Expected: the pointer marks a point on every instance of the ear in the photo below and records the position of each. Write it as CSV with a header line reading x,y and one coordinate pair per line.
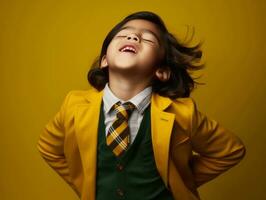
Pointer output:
x,y
163,74
104,62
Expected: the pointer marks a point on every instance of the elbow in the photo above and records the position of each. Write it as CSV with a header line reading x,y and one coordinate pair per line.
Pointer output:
x,y
242,153
239,154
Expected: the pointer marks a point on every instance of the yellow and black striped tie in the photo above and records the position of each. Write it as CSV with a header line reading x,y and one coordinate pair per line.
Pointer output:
x,y
118,137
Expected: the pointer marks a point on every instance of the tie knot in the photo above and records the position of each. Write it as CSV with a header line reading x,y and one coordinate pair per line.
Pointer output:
x,y
124,110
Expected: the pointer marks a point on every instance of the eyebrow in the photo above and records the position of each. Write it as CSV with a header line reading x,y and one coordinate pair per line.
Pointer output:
x,y
142,29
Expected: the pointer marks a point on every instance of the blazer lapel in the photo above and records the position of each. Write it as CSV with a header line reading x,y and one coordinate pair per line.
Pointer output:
x,y
161,128
86,128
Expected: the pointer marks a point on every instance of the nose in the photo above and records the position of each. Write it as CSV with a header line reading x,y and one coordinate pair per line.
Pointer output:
x,y
133,36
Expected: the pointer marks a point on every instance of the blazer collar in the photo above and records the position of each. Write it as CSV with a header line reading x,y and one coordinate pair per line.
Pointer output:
x,y
93,95
160,102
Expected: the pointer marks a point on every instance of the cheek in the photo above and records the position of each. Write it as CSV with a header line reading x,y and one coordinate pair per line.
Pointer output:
x,y
151,55
110,47
111,50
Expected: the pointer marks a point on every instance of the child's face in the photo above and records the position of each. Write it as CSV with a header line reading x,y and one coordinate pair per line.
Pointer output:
x,y
141,35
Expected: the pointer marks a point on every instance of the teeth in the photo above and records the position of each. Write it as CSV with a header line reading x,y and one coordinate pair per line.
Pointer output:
x,y
128,48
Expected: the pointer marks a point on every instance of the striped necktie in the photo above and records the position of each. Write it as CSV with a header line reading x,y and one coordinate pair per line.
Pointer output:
x,y
118,137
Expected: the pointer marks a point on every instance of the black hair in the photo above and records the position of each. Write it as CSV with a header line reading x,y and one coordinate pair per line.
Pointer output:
x,y
179,58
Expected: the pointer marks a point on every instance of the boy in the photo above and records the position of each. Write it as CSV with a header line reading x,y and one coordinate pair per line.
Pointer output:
x,y
137,134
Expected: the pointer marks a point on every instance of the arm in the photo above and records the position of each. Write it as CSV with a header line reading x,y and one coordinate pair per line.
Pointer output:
x,y
217,149
51,143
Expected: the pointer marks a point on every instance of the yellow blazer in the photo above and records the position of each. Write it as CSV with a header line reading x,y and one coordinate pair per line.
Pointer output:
x,y
189,148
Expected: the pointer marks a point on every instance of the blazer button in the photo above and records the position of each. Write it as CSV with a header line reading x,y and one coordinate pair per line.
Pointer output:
x,y
120,167
120,192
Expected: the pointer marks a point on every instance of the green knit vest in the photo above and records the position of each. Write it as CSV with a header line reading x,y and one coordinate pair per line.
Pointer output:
x,y
134,175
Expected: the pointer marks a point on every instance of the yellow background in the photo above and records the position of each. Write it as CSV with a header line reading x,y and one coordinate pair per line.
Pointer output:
x,y
46,48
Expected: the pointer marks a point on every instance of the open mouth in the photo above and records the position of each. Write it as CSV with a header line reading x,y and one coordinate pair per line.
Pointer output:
x,y
128,49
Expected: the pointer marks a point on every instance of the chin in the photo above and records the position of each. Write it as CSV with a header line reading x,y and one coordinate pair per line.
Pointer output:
x,y
125,66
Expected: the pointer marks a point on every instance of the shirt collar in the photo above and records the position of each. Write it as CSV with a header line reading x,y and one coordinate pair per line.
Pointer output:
x,y
141,100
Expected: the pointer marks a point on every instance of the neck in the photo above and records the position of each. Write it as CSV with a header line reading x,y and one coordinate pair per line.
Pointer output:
x,y
125,88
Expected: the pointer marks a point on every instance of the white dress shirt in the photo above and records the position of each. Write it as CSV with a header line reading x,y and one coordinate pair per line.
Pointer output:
x,y
141,101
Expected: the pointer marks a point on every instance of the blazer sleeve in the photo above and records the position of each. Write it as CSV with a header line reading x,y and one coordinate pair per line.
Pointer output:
x,y
217,148
51,143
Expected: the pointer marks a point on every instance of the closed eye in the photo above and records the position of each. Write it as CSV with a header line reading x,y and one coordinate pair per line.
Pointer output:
x,y
121,36
147,40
